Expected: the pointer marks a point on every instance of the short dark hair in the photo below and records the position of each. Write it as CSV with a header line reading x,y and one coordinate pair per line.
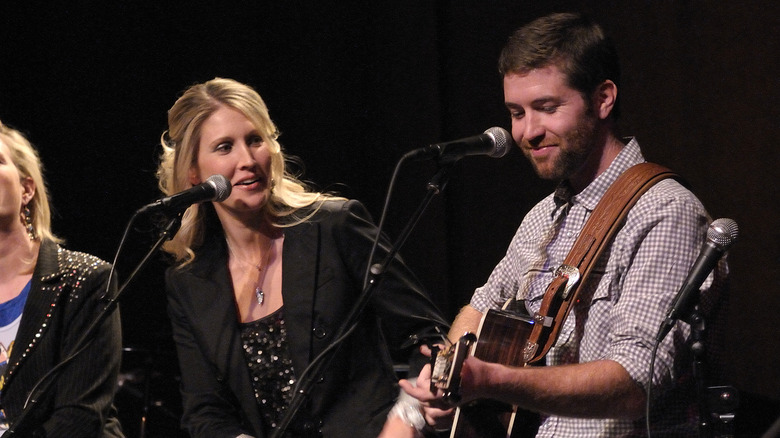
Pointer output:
x,y
570,41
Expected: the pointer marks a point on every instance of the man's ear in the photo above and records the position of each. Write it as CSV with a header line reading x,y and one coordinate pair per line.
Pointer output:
x,y
605,97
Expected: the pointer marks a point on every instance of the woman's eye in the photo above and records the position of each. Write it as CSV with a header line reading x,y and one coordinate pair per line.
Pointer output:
x,y
224,147
256,140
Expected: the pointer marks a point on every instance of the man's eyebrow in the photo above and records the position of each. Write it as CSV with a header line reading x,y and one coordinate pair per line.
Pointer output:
x,y
535,102
545,99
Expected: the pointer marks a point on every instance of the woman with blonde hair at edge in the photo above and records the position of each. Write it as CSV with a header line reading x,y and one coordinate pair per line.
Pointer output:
x,y
49,296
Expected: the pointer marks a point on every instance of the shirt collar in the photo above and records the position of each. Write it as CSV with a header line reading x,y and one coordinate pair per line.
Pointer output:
x,y
629,156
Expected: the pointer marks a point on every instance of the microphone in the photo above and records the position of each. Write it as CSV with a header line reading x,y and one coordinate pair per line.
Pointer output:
x,y
215,188
721,234
494,143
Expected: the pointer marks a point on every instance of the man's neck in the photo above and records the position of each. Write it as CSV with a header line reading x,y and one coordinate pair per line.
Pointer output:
x,y
598,162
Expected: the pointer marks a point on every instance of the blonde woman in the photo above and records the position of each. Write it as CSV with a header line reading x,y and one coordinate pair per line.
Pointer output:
x,y
264,279
48,298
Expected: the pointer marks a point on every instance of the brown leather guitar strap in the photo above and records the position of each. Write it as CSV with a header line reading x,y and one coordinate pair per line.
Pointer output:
x,y
602,225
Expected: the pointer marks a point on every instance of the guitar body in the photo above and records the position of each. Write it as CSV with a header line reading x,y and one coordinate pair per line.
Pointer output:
x,y
500,339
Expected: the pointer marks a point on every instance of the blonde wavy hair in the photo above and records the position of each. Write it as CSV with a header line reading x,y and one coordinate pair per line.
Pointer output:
x,y
27,161
180,151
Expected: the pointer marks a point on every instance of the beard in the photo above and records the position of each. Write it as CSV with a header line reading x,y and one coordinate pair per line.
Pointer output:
x,y
575,148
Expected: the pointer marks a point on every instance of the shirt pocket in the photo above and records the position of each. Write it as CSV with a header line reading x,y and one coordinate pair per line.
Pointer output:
x,y
533,287
597,326
538,282
598,288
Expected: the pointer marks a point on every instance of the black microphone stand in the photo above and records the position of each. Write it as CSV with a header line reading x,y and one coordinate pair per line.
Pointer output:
x,y
714,402
716,405
45,382
313,371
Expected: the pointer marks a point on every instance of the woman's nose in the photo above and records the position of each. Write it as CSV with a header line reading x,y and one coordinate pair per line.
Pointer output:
x,y
247,159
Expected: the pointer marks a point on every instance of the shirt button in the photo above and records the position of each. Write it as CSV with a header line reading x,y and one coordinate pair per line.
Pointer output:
x,y
319,332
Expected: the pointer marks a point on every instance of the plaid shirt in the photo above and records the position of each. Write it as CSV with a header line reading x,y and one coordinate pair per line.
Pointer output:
x,y
625,299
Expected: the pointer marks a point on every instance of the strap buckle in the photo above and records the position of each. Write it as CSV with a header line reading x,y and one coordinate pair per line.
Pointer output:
x,y
572,275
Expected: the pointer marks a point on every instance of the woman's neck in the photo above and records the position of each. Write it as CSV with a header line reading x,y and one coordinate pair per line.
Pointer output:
x,y
247,234
18,256
250,241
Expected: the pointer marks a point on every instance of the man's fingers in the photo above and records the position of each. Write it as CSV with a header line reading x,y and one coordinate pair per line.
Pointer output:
x,y
439,418
420,393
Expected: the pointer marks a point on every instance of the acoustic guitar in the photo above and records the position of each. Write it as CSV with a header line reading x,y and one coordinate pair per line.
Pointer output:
x,y
501,338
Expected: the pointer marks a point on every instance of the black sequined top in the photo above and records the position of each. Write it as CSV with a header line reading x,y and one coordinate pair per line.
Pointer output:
x,y
270,365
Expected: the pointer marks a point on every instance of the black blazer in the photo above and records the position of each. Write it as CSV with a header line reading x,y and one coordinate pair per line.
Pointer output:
x,y
323,264
63,302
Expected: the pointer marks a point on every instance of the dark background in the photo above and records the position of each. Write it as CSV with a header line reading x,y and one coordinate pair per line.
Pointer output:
x,y
352,86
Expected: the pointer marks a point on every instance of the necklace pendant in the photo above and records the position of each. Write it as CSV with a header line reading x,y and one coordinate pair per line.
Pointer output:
x,y
260,296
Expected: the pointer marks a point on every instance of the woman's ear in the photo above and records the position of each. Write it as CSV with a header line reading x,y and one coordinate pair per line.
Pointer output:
x,y
605,98
193,176
28,189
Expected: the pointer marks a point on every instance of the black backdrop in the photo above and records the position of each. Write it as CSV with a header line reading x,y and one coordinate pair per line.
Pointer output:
x,y
353,85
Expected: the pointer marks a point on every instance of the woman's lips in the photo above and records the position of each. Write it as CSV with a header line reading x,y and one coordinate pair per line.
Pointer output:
x,y
248,183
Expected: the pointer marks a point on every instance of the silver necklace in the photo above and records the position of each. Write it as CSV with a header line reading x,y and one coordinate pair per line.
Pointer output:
x,y
261,268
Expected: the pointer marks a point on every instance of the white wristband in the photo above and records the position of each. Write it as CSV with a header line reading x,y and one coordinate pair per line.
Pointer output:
x,y
409,410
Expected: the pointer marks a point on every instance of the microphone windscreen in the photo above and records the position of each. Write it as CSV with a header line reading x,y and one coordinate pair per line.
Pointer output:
x,y
723,232
501,141
221,186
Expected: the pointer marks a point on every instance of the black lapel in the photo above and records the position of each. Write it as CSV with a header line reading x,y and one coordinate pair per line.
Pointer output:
x,y
39,308
210,292
300,265
211,297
